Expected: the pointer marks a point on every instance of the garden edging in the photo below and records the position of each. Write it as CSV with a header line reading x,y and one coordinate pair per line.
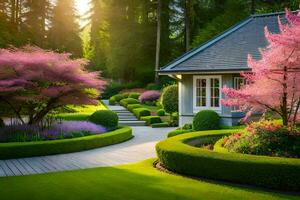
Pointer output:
x,y
270,172
41,148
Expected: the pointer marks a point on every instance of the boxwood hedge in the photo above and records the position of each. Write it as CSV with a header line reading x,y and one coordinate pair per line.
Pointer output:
x,y
151,120
41,148
141,112
127,101
178,155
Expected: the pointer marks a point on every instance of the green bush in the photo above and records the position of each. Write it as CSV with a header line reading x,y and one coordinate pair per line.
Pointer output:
x,y
118,97
127,101
130,107
270,172
169,99
41,148
160,125
161,112
206,120
179,132
141,112
134,95
106,118
174,119
112,101
151,120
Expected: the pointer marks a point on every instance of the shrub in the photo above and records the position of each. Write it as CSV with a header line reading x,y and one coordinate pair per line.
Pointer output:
x,y
266,138
112,101
206,120
270,172
151,119
119,97
42,148
187,127
106,118
134,95
179,132
125,95
153,86
141,112
169,99
2,124
130,107
127,101
161,112
174,119
150,96
160,125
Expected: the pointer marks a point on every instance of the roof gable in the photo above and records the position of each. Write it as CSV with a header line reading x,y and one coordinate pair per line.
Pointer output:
x,y
229,50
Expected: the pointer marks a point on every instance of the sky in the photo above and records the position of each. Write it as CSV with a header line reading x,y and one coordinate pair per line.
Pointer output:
x,y
82,7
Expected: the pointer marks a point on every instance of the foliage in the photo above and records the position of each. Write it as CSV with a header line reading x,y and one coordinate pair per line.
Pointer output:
x,y
266,138
151,95
206,120
134,95
114,88
34,82
177,155
179,132
161,112
106,118
62,130
141,112
153,86
160,125
130,107
151,120
118,97
42,148
169,99
112,101
274,83
128,101
174,119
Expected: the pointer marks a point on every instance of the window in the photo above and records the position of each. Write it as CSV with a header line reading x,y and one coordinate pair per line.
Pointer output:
x,y
207,92
238,82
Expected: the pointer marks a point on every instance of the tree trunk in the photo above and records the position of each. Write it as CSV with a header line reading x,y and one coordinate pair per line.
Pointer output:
x,y
188,5
284,108
158,36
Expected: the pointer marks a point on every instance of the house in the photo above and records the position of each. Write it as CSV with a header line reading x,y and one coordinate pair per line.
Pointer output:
x,y
202,72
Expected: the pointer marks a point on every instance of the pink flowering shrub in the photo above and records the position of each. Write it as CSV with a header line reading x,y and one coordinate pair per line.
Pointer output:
x,y
34,81
151,95
266,138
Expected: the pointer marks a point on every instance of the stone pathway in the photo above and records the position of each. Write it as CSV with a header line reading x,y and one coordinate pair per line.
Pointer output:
x,y
126,118
141,147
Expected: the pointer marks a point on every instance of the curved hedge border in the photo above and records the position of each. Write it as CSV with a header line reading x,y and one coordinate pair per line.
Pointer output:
x,y
41,148
271,172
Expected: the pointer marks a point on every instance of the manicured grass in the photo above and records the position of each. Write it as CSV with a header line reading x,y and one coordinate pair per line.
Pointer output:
x,y
81,113
135,182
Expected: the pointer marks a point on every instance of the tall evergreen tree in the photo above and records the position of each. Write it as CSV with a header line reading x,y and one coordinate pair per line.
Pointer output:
x,y
64,31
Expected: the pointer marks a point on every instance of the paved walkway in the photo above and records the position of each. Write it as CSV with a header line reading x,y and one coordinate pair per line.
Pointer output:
x,y
139,148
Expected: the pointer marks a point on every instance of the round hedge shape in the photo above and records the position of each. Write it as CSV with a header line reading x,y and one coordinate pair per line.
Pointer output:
x,y
118,97
134,95
128,101
169,99
130,107
112,101
106,118
177,154
206,120
161,112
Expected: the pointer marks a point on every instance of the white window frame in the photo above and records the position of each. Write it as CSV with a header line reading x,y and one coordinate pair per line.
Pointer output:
x,y
208,94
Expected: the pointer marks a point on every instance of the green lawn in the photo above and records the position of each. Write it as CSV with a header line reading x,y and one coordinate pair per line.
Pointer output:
x,y
128,182
80,113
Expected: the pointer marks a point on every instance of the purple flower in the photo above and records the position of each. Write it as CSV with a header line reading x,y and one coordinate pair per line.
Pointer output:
x,y
151,95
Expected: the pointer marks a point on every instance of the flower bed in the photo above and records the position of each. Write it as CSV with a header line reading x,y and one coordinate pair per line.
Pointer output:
x,y
178,154
40,148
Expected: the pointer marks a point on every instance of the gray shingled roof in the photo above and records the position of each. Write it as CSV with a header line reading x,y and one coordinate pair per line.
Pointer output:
x,y
229,50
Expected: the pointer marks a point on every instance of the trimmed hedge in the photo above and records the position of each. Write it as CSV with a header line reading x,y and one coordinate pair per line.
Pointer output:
x,y
179,132
270,172
151,120
106,118
141,112
160,125
130,107
134,95
127,101
161,112
112,101
206,120
118,97
42,148
169,99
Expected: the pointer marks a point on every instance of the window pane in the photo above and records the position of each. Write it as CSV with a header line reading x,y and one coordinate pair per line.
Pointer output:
x,y
203,101
217,92
216,102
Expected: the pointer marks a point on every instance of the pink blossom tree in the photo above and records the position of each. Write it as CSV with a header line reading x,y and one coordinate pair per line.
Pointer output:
x,y
274,81
34,81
